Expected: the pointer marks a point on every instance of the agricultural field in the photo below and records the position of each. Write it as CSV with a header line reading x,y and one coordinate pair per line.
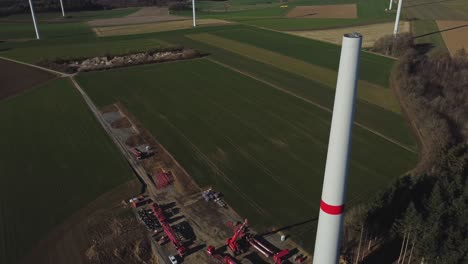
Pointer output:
x,y
273,16
251,118
436,10
426,32
261,146
55,160
13,81
455,34
53,25
71,16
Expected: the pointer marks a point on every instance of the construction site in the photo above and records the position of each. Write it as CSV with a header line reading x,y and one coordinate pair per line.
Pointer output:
x,y
185,223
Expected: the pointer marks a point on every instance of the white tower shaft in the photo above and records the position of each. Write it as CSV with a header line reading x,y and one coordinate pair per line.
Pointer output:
x,y
193,11
327,244
391,4
397,19
63,10
34,19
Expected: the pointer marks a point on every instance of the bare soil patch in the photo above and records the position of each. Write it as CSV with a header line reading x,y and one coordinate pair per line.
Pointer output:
x,y
324,11
144,15
17,78
72,65
121,123
70,242
455,34
371,33
134,141
109,109
155,27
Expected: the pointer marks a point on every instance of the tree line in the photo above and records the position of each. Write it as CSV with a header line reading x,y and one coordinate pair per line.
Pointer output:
x,y
423,216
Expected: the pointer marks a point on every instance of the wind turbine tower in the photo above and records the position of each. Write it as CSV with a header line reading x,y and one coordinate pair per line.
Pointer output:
x,y
327,243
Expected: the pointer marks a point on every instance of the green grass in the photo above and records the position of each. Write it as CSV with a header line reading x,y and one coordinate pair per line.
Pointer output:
x,y
388,123
426,32
91,47
367,91
374,68
264,149
55,159
17,30
53,26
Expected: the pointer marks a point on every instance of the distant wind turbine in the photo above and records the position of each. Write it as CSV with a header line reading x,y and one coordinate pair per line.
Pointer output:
x,y
193,11
34,19
397,19
63,10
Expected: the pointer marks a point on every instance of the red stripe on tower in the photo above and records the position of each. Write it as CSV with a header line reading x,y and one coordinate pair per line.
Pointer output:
x,y
331,209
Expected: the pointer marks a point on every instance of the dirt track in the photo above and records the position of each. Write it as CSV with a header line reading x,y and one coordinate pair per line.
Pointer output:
x,y
17,78
455,34
144,15
324,11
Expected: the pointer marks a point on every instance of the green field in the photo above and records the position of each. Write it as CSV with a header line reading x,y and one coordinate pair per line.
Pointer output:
x,y
436,10
273,17
251,119
426,33
53,25
55,159
263,148
71,16
81,48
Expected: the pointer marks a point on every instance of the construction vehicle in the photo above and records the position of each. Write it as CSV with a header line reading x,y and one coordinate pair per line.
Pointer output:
x,y
278,256
239,232
227,259
171,235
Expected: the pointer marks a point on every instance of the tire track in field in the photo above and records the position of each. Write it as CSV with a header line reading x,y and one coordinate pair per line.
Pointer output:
x,y
217,170
256,162
389,139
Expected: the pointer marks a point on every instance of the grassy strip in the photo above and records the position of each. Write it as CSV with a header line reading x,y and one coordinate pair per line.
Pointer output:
x,y
367,91
55,159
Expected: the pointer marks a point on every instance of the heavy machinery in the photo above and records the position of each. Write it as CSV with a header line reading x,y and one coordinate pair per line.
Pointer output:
x,y
159,213
227,259
239,232
278,256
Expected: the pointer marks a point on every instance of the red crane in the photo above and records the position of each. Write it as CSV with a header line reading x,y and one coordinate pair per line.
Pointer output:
x,y
232,242
227,259
159,213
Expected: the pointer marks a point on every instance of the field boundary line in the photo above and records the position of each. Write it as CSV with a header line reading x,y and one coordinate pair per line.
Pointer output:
x,y
61,74
391,140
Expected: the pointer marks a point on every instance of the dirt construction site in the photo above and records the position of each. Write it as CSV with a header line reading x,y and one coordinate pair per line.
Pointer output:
x,y
185,223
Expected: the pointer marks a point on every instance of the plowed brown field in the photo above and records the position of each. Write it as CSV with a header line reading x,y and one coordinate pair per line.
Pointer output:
x,y
15,78
455,34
